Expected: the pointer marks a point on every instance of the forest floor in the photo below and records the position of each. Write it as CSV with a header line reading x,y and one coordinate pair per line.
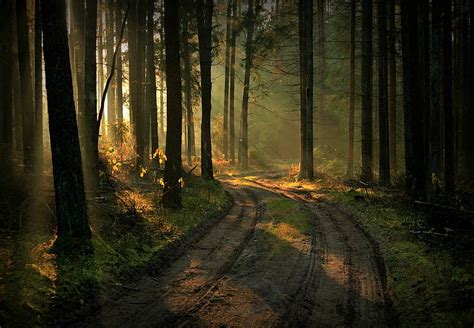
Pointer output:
x,y
280,257
274,252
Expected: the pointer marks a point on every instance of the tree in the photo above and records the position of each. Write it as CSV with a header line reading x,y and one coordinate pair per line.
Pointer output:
x,y
172,176
204,16
384,152
366,91
449,150
392,106
38,91
6,88
71,211
225,149
136,67
109,28
306,92
151,79
434,139
91,137
188,85
350,156
233,39
321,19
25,84
412,102
302,44
244,134
118,76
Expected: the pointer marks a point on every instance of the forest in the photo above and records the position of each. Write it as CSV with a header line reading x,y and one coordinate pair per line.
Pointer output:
x,y
236,163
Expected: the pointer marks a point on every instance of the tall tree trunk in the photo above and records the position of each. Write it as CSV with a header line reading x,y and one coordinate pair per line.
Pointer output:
x,y
27,106
190,145
322,52
100,62
144,116
136,73
366,91
151,80
225,145
91,138
412,102
384,151
71,210
6,88
118,75
309,87
77,47
111,115
424,40
469,118
302,30
244,135
204,15
38,91
18,112
392,92
233,40
172,188
350,155
449,149
163,73
434,140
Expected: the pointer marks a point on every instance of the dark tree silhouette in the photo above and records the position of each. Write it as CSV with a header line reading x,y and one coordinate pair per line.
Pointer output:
x,y
172,188
366,91
71,211
204,16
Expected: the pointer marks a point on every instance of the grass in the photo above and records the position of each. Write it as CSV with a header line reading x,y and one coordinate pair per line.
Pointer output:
x,y
130,236
283,224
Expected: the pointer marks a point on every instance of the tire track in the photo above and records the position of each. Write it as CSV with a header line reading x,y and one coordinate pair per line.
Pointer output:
x,y
344,255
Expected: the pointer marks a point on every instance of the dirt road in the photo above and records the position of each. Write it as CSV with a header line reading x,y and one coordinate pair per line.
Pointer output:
x,y
246,273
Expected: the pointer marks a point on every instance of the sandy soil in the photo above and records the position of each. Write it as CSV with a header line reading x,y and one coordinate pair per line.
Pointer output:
x,y
331,277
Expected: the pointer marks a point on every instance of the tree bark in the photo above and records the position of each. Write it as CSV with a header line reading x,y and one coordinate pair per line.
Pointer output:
x,y
232,84
302,30
366,91
111,115
151,80
27,105
244,138
71,211
392,106
118,75
412,101
173,167
38,91
449,149
384,148
309,86
225,146
204,15
350,155
434,140
322,53
190,144
6,88
91,138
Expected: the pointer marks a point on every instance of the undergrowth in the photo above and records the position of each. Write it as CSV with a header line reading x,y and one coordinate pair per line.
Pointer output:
x,y
130,231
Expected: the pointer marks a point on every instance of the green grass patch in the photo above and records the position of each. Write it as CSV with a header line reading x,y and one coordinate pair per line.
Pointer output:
x,y
283,224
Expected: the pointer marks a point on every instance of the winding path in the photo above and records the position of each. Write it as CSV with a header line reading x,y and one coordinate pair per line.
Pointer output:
x,y
332,276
